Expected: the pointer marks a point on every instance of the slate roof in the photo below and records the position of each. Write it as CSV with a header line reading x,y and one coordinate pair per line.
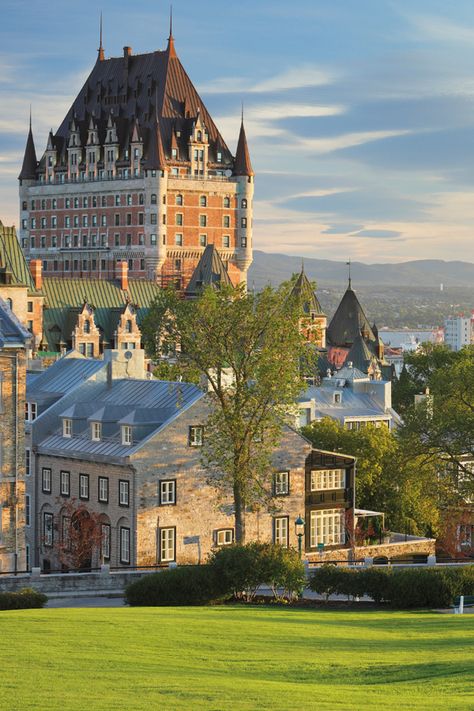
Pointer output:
x,y
303,289
360,355
210,271
30,162
13,267
61,377
242,165
65,298
12,333
348,322
148,405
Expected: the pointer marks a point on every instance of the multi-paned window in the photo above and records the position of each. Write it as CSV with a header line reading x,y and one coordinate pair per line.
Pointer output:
x,y
124,492
168,492
281,483
323,479
84,486
105,543
124,544
103,489
225,537
96,431
327,526
27,510
167,544
46,480
280,530
65,483
27,462
30,411
196,436
48,529
127,435
67,427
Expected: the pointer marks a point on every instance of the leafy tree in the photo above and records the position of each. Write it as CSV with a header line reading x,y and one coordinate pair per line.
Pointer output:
x,y
249,349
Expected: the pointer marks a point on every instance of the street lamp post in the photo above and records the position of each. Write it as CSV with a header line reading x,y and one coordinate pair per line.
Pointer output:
x,y
299,530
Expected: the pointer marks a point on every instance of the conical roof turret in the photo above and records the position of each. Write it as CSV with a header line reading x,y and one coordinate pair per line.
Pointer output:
x,y
30,162
242,164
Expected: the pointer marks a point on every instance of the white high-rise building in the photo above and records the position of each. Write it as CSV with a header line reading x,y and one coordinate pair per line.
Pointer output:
x,y
458,331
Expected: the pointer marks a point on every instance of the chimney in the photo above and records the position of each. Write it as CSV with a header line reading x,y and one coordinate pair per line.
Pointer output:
x,y
36,270
122,275
127,51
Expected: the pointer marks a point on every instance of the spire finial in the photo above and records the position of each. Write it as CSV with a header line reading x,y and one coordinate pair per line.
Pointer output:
x,y
171,49
30,117
302,265
350,280
242,116
171,21
101,48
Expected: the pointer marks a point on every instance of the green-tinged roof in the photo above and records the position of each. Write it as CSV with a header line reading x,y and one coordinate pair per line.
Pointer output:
x,y
348,322
210,271
13,267
360,355
66,297
302,289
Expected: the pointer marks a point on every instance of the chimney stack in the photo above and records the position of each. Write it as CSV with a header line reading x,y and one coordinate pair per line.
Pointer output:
x,y
36,270
122,275
127,51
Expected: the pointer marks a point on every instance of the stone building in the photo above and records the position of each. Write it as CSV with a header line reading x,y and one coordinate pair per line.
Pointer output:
x,y
15,511
137,172
130,450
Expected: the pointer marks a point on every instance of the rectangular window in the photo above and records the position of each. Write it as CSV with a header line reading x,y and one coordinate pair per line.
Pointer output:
x,y
324,479
167,492
280,531
27,462
196,436
202,220
202,240
96,431
281,483
103,489
153,240
127,437
65,483
167,545
124,545
84,486
226,241
225,537
124,493
30,411
178,239
105,543
27,510
327,526
179,219
48,529
66,532
46,480
67,427
27,557
243,222
226,221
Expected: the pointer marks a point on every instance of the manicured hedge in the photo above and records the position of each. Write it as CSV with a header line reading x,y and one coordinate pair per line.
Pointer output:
x,y
22,600
402,588
190,585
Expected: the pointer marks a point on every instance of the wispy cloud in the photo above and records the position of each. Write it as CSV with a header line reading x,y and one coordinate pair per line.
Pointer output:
x,y
345,140
439,28
305,75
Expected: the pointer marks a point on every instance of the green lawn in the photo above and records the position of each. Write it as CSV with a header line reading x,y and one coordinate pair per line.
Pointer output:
x,y
221,658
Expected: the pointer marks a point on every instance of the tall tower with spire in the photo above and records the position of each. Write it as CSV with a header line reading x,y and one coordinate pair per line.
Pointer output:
x,y
137,172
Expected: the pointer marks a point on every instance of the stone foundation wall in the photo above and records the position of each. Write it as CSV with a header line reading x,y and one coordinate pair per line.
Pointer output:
x,y
398,549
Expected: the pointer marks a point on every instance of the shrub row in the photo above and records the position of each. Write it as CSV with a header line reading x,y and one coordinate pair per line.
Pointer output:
x,y
400,588
234,571
22,600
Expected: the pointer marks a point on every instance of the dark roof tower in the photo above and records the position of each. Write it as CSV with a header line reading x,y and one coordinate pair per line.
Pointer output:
x,y
360,355
156,159
348,322
302,289
242,164
210,271
30,162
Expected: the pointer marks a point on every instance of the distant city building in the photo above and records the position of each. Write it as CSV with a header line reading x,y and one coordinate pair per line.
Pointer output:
x,y
458,331
137,173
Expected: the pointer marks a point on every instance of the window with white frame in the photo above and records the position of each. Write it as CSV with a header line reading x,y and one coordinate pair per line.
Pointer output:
x,y
225,537
168,492
167,545
327,526
65,483
48,529
96,431
30,411
280,530
103,489
27,510
124,492
105,543
324,479
124,544
196,436
127,437
281,483
84,486
67,427
46,480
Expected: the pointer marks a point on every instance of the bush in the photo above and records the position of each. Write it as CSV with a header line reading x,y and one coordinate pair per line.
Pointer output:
x,y
375,582
325,580
243,568
24,599
190,585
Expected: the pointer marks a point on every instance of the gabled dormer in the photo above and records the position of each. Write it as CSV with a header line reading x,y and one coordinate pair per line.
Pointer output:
x,y
86,334
128,335
136,148
198,147
92,149
111,147
74,150
50,158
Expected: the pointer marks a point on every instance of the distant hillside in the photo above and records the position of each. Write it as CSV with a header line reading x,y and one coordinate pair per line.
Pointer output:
x,y
275,268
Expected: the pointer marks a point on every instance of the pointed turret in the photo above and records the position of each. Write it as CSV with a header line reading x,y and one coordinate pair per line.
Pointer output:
x,y
100,51
360,355
156,159
242,164
210,271
348,322
30,162
302,289
171,49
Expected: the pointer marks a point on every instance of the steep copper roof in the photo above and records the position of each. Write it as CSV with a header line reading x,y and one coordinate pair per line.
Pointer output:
x,y
348,322
155,159
210,271
30,162
242,165
132,89
303,289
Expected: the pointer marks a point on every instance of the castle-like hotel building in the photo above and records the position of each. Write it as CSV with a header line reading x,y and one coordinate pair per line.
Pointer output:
x,y
138,173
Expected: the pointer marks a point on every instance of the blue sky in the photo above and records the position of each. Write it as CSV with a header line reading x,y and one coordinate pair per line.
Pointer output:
x,y
359,113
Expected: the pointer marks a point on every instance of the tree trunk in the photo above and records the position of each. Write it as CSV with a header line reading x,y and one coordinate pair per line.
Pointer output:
x,y
239,514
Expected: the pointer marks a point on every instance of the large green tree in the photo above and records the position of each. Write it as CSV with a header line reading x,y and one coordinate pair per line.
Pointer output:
x,y
248,350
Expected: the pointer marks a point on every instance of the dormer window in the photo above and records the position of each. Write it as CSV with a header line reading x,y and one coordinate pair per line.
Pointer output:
x,y
199,135
128,326
337,398
96,432
127,435
87,326
67,427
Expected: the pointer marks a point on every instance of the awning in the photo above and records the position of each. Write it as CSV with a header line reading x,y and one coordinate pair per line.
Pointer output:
x,y
365,512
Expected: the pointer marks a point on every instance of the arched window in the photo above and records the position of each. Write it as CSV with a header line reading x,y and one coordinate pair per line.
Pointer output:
x,y
10,304
153,199
199,135
128,326
244,204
